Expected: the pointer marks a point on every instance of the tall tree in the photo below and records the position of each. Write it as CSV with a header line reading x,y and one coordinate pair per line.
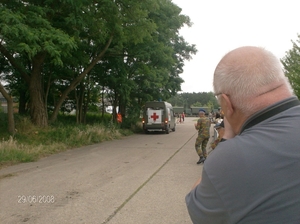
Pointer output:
x,y
108,27
26,32
148,70
291,64
202,98
53,45
155,64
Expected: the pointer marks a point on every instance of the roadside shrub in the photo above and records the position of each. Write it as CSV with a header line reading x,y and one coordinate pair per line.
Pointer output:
x,y
31,142
34,143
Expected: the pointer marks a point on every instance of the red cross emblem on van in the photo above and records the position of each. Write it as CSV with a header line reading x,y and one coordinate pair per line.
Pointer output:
x,y
154,116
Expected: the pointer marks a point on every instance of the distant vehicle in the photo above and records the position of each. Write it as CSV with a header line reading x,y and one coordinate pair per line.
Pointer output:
x,y
178,110
188,112
158,116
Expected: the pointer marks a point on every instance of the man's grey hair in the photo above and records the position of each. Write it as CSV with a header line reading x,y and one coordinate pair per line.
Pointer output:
x,y
245,80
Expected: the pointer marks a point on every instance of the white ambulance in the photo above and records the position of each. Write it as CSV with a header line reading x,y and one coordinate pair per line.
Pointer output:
x,y
158,116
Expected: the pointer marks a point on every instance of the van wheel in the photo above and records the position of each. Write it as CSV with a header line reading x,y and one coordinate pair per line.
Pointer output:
x,y
167,130
146,131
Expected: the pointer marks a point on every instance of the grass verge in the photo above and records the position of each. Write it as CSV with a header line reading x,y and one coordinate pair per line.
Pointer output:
x,y
31,143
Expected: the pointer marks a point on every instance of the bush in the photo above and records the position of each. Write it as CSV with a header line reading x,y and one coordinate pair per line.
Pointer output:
x,y
31,142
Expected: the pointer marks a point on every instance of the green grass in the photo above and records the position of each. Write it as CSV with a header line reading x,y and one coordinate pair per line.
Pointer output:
x,y
31,143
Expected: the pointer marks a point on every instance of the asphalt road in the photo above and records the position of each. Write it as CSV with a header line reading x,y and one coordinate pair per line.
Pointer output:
x,y
140,179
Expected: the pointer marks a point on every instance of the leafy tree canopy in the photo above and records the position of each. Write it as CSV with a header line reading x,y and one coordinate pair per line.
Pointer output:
x,y
291,64
60,50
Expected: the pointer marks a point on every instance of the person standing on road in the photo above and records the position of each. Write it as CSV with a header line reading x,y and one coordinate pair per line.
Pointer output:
x,y
203,126
220,132
119,118
252,176
218,119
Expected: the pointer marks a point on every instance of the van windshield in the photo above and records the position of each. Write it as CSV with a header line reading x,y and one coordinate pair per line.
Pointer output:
x,y
154,108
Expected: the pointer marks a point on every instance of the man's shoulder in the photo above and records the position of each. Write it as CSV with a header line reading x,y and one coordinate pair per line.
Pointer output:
x,y
203,118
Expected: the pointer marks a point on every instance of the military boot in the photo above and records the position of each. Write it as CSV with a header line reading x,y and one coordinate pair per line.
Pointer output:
x,y
201,160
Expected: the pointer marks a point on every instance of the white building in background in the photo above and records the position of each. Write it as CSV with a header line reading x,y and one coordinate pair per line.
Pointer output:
x,y
109,109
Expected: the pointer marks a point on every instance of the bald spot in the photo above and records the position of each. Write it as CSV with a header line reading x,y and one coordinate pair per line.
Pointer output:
x,y
252,62
247,57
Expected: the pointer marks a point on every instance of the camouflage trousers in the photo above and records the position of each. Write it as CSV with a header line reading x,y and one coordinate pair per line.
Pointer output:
x,y
216,142
200,145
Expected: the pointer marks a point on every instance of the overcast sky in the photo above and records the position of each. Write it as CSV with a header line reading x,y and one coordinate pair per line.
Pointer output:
x,y
222,25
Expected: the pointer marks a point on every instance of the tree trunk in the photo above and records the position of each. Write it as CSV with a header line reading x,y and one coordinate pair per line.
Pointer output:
x,y
115,104
103,103
122,103
22,102
38,110
10,110
77,106
86,104
81,103
37,106
10,116
47,92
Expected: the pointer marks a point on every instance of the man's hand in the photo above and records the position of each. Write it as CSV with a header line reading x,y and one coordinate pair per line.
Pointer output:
x,y
197,183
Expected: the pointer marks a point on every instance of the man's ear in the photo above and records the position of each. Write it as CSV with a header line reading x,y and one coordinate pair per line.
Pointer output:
x,y
227,106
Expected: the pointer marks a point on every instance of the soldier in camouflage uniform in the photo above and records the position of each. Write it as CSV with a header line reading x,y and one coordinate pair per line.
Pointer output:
x,y
203,126
220,130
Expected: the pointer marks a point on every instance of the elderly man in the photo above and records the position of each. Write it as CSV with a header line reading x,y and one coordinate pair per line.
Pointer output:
x,y
202,126
252,176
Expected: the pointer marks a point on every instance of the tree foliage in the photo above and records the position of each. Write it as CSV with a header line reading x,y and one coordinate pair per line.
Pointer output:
x,y
188,100
291,64
57,51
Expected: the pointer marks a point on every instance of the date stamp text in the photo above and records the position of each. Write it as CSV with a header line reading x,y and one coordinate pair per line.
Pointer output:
x,y
36,199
